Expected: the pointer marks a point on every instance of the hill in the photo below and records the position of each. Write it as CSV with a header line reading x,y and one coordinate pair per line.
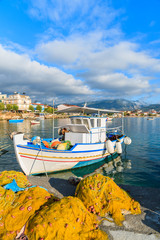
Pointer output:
x,y
121,105
117,104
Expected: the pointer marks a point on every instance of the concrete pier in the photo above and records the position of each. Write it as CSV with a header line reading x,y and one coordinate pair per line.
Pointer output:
x,y
145,226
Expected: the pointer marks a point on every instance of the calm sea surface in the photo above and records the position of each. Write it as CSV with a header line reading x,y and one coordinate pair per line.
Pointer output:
x,y
140,165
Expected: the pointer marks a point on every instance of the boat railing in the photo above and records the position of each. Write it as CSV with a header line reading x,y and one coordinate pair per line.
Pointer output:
x,y
114,129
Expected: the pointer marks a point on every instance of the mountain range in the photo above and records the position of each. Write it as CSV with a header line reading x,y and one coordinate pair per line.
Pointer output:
x,y
122,105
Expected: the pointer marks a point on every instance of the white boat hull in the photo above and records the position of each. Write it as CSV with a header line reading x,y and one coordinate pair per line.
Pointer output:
x,y
33,159
34,122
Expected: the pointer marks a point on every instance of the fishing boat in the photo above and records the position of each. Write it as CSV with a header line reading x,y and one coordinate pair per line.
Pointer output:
x,y
40,116
150,118
15,120
35,122
84,141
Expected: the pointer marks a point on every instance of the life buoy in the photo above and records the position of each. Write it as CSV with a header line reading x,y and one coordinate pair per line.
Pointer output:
x,y
127,140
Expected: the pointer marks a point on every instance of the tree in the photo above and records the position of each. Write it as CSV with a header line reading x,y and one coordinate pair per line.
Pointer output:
x,y
31,108
39,108
15,107
49,110
2,107
9,107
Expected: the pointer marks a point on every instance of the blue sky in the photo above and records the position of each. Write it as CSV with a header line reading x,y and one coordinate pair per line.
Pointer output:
x,y
80,50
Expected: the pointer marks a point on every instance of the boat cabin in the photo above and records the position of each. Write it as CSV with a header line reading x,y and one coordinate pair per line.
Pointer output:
x,y
84,129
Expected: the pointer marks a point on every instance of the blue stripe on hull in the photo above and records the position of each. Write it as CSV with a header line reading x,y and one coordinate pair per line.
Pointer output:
x,y
83,164
87,163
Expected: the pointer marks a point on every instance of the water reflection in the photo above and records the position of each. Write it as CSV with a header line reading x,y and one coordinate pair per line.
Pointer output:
x,y
108,168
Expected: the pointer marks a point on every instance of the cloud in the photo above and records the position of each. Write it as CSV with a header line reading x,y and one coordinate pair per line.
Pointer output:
x,y
120,69
83,38
19,73
75,15
92,52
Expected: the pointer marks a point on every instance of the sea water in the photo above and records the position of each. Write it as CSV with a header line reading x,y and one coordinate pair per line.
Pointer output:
x,y
138,165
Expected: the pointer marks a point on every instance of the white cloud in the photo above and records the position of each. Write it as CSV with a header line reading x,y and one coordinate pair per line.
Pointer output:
x,y
91,52
120,68
74,15
19,73
83,38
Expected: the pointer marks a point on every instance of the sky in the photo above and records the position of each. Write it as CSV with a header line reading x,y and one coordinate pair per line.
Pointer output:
x,y
80,50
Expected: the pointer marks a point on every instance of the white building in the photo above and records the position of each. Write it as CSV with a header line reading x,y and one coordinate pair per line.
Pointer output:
x,y
22,101
2,97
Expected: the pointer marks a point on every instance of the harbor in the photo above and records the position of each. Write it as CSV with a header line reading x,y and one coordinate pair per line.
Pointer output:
x,y
128,171
79,120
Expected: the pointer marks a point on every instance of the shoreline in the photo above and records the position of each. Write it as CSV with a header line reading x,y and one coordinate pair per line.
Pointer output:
x,y
31,116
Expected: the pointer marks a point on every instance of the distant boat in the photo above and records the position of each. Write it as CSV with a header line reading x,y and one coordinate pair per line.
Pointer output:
x,y
40,116
150,118
16,120
34,122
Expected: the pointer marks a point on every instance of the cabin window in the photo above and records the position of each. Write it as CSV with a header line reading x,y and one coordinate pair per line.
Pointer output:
x,y
98,122
78,121
85,121
92,123
72,120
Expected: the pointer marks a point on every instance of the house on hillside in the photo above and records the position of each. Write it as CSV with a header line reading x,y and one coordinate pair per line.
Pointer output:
x,y
153,112
39,104
2,97
21,100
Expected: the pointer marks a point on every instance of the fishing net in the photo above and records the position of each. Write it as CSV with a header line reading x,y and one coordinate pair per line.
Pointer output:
x,y
6,199
8,176
102,196
63,220
16,209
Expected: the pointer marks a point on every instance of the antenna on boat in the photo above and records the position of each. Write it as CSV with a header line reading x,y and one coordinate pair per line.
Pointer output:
x,y
85,105
122,122
53,118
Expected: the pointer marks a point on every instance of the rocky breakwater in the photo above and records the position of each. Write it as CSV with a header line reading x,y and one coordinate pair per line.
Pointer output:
x,y
10,115
31,115
49,116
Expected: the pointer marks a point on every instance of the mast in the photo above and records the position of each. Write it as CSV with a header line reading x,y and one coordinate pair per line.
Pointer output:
x,y
53,118
123,122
